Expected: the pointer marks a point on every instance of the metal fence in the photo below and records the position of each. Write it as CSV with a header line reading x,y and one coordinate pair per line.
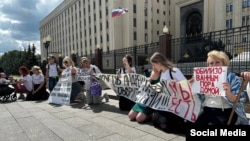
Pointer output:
x,y
113,59
192,51
189,52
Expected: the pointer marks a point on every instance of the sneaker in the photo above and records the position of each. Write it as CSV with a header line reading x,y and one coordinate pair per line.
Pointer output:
x,y
105,95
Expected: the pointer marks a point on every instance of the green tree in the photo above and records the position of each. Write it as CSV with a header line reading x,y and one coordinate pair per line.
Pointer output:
x,y
12,60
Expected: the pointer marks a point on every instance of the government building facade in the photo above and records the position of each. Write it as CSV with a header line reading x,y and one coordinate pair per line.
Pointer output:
x,y
81,26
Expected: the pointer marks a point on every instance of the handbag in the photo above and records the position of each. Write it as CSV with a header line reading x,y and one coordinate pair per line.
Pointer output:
x,y
95,87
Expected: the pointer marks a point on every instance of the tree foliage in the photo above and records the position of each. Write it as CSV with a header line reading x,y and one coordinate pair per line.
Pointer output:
x,y
12,60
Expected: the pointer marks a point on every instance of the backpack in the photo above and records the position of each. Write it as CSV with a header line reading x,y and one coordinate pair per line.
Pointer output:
x,y
95,86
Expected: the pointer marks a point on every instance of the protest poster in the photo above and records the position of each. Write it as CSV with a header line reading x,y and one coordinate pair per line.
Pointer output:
x,y
62,91
83,75
209,80
175,97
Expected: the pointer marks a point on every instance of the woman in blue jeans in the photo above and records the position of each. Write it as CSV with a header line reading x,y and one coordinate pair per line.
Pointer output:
x,y
52,72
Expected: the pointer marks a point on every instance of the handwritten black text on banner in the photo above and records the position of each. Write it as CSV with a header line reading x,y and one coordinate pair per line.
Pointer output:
x,y
62,91
175,97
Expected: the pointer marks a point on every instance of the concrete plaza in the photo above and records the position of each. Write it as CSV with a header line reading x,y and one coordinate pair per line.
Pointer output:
x,y
40,121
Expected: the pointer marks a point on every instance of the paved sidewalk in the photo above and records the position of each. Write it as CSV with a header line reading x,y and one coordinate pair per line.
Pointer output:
x,y
40,121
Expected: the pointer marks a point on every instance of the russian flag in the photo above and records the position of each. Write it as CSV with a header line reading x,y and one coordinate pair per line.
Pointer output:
x,y
119,11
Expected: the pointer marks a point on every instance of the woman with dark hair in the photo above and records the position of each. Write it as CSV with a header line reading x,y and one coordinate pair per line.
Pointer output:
x,y
23,85
127,65
124,103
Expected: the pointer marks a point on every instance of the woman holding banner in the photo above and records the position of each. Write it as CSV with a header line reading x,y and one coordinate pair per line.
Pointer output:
x,y
124,103
140,112
90,71
164,68
217,109
76,87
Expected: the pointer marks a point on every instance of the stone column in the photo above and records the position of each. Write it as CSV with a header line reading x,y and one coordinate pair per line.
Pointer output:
x,y
98,58
165,45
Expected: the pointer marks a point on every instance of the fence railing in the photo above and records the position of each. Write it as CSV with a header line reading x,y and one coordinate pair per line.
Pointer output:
x,y
189,52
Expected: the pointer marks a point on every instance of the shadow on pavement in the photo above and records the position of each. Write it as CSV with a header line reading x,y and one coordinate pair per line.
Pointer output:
x,y
97,108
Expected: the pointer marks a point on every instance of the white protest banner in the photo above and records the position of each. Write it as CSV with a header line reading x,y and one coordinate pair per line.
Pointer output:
x,y
61,92
208,80
125,85
175,97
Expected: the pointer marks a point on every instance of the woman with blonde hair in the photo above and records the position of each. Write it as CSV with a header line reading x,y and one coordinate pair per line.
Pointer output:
x,y
217,109
76,87
39,88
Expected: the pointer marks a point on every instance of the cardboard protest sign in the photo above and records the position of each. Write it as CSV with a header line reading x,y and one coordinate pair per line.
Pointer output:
x,y
175,97
208,80
83,75
62,91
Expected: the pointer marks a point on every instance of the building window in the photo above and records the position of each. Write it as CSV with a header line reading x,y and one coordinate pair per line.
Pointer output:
x,y
146,12
229,7
135,38
134,22
146,37
229,23
244,3
134,8
146,24
245,20
107,11
244,38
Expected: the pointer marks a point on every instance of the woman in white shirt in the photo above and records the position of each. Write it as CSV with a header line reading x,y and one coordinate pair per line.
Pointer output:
x,y
124,103
165,69
76,87
39,89
90,71
23,85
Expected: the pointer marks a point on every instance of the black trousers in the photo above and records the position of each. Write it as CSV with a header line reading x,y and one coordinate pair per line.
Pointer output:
x,y
173,123
216,116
